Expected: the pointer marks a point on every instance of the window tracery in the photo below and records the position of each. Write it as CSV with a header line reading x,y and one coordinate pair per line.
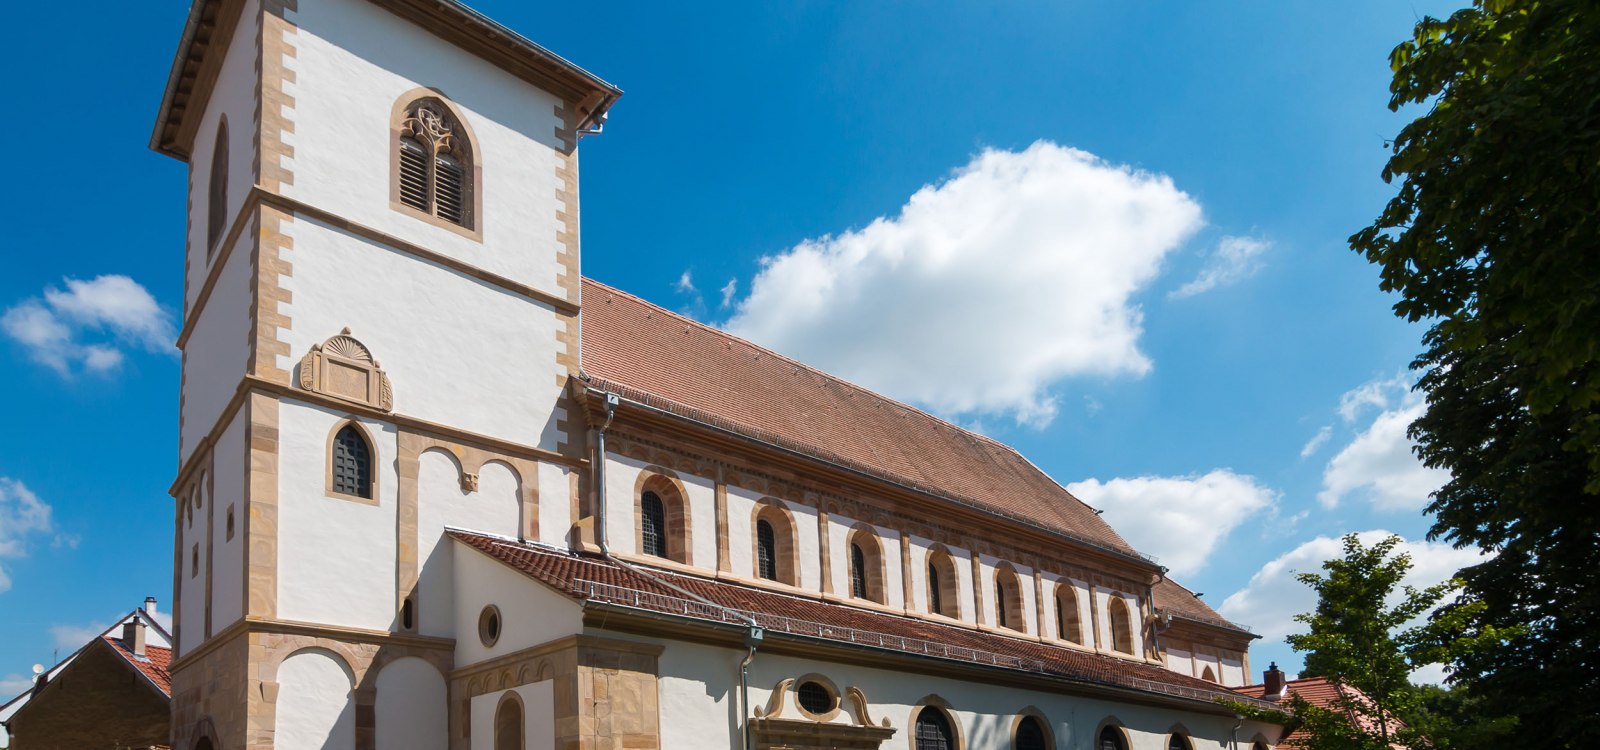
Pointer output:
x,y
434,163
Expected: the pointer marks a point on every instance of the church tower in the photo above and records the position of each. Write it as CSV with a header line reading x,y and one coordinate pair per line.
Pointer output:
x,y
381,304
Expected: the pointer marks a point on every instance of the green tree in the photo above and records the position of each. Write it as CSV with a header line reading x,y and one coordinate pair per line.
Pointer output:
x,y
1493,239
1360,639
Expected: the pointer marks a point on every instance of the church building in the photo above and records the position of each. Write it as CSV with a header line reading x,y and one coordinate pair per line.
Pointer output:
x,y
436,489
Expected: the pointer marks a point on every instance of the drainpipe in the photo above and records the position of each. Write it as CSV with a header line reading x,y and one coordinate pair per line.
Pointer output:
x,y
1233,742
752,637
1157,626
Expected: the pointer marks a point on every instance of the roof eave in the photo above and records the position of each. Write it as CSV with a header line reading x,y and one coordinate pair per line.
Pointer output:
x,y
170,92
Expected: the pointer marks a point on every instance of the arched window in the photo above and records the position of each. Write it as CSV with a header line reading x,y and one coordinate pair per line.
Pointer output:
x,y
1111,739
351,469
217,189
1008,599
1067,624
858,571
1208,675
933,731
653,520
1031,734
1258,745
1179,742
944,593
866,565
766,551
1121,626
508,724
433,163
934,603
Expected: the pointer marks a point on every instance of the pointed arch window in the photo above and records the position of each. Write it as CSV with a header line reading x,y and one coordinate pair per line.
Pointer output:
x,y
217,189
933,730
653,516
351,469
1031,734
1121,626
434,172
1111,739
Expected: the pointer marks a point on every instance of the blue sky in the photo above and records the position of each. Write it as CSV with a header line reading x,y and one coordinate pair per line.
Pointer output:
x,y
1126,257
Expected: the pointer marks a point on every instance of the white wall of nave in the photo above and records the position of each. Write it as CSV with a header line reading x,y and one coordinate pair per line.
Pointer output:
x,y
622,510
530,614
336,555
494,508
459,351
352,62
742,505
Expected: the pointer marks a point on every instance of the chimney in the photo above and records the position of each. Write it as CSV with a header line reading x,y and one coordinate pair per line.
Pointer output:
x,y
133,636
1272,679
150,606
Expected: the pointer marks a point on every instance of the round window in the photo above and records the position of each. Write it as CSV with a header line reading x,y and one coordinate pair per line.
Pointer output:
x,y
489,625
814,697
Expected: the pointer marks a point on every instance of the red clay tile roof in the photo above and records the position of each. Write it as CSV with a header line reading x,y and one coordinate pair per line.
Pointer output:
x,y
1323,693
670,362
585,577
155,664
1173,598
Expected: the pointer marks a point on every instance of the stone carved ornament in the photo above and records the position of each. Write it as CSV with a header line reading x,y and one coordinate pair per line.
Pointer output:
x,y
776,703
343,367
428,122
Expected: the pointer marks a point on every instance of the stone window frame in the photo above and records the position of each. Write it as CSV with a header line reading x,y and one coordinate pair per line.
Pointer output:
x,y
510,698
217,189
1032,712
1208,674
1010,613
786,547
466,148
865,538
372,459
1113,725
940,559
827,684
1068,618
1121,634
490,614
1179,733
675,504
958,740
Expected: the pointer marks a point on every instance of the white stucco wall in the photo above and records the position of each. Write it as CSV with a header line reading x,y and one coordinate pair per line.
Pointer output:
x,y
699,695
412,711
555,503
234,96
314,710
192,558
622,506
742,505
352,63
336,556
1107,641
839,528
538,717
459,351
530,613
493,509
227,556
218,349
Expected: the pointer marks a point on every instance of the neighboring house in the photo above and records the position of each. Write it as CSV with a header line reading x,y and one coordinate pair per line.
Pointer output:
x,y
557,515
114,693
1320,692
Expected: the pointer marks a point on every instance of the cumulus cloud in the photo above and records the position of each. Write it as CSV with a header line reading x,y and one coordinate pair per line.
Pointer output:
x,y
1317,441
86,326
1234,260
1181,520
1378,465
1269,602
23,516
986,289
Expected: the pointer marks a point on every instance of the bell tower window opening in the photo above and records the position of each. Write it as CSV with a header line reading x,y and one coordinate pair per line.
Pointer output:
x,y
433,163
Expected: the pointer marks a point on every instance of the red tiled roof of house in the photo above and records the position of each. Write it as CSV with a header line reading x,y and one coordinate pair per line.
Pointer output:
x,y
1174,598
647,353
591,578
155,664
1322,693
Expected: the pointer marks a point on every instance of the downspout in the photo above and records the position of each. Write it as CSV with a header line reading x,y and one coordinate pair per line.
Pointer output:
x,y
1157,626
753,636
1233,742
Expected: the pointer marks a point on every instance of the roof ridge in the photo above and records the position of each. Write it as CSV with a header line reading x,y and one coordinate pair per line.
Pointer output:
x,y
816,371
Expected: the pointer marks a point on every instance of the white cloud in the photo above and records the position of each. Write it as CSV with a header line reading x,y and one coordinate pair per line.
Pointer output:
x,y
1316,442
13,685
1235,259
1016,272
728,291
69,638
1181,520
114,309
22,516
1269,602
1378,465
1378,393
685,283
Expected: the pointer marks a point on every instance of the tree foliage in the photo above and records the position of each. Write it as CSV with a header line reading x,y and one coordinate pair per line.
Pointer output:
x,y
1493,238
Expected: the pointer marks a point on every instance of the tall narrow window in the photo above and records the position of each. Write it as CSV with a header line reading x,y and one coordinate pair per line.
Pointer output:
x,y
433,167
933,730
1111,739
508,725
944,593
934,602
653,517
858,572
1067,623
1008,599
352,463
766,551
1000,602
217,189
1121,626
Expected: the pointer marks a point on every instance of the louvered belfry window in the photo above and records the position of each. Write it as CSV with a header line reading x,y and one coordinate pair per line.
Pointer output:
x,y
766,551
653,524
933,730
352,463
434,165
